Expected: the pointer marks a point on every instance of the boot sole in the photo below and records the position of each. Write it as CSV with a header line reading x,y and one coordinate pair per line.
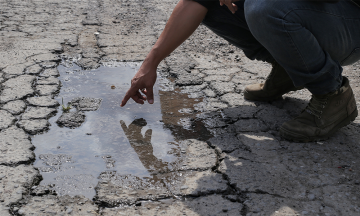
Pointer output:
x,y
288,134
249,96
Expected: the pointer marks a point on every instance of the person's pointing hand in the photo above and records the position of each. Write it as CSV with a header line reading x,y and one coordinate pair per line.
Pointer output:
x,y
143,81
230,4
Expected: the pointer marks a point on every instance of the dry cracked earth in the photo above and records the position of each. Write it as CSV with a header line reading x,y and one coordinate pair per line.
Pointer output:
x,y
244,169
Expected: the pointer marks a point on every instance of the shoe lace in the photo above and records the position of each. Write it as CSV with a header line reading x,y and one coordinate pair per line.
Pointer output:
x,y
316,105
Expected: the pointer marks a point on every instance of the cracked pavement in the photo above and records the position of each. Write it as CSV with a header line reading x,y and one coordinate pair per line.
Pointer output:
x,y
244,169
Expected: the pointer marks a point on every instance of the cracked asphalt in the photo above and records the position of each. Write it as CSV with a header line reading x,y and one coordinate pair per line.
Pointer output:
x,y
244,169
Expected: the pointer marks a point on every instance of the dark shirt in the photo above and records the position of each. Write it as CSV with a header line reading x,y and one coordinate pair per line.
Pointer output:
x,y
207,3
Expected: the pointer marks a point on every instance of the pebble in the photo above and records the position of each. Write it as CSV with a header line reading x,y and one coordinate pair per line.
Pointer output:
x,y
184,187
69,210
311,196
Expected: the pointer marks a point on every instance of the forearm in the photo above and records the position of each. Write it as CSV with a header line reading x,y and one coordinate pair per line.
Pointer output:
x,y
183,21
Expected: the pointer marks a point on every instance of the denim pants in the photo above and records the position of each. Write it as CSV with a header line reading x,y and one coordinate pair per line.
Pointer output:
x,y
311,40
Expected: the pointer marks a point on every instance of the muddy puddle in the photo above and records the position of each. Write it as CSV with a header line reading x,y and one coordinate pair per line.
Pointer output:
x,y
137,140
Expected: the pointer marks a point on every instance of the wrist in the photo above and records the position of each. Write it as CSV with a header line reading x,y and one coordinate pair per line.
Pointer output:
x,y
154,58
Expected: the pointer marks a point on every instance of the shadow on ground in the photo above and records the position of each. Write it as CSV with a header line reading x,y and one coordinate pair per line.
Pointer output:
x,y
255,172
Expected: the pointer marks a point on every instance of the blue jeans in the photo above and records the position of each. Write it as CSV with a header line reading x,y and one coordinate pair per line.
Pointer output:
x,y
311,40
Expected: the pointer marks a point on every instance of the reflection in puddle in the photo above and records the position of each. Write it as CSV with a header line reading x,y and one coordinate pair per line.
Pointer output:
x,y
137,140
142,144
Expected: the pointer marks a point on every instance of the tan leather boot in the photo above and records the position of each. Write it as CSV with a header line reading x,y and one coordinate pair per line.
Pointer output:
x,y
277,83
323,116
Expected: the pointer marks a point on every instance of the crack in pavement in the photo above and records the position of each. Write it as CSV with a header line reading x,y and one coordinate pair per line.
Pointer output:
x,y
31,32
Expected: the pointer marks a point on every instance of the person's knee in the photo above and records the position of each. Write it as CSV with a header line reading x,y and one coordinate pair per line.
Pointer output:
x,y
258,14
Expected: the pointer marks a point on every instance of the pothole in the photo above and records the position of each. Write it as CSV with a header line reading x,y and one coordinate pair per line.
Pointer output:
x,y
137,140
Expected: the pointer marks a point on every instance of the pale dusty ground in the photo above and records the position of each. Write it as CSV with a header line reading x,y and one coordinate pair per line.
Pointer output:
x,y
246,169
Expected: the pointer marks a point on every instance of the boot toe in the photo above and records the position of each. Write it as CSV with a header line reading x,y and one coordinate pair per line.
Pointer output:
x,y
254,92
254,87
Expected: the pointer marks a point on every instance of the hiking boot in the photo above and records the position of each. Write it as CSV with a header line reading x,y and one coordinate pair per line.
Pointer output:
x,y
277,83
323,116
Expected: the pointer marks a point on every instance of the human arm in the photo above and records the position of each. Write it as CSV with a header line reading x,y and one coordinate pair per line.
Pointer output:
x,y
183,21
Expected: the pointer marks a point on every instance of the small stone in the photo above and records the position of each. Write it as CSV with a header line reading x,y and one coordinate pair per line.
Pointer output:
x,y
311,196
184,187
69,210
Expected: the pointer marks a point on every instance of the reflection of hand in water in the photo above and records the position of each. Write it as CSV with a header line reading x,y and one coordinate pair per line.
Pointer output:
x,y
142,144
133,132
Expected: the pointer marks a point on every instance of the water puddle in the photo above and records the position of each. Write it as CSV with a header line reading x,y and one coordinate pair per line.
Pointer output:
x,y
136,140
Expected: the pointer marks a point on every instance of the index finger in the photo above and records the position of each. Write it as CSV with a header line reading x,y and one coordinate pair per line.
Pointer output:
x,y
126,97
123,125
